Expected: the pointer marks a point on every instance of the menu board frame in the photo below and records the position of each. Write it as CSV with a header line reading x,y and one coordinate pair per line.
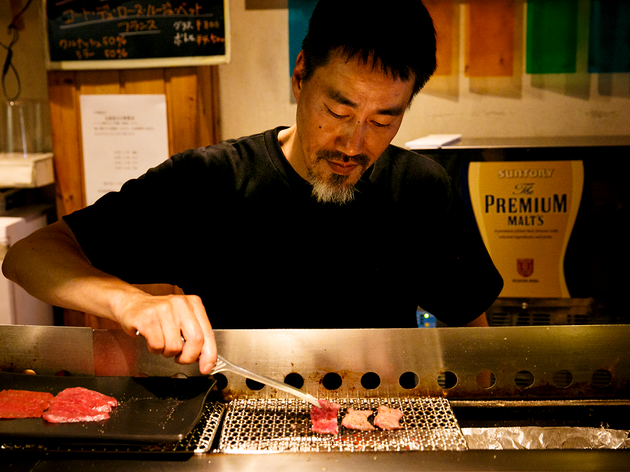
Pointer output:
x,y
95,61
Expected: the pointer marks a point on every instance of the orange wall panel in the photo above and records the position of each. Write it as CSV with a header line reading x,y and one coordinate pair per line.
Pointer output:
x,y
490,38
443,14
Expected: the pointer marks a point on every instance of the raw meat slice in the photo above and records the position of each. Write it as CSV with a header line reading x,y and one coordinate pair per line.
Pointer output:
x,y
23,403
388,418
357,419
78,404
84,396
325,418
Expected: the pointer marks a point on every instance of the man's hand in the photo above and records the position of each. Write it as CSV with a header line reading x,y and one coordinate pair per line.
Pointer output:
x,y
173,325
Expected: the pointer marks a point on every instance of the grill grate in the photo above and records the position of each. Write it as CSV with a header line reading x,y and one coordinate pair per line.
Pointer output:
x,y
200,439
284,425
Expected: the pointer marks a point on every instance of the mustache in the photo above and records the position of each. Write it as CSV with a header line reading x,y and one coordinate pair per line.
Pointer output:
x,y
360,159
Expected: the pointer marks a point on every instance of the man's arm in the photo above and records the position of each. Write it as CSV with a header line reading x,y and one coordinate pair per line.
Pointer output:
x,y
51,266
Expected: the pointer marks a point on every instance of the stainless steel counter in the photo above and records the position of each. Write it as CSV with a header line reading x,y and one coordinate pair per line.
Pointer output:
x,y
588,460
540,142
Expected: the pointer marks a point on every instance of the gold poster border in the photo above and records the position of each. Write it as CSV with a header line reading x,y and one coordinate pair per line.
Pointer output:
x,y
577,187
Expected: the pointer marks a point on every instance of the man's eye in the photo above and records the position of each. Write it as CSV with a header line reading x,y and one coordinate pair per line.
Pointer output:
x,y
380,125
335,115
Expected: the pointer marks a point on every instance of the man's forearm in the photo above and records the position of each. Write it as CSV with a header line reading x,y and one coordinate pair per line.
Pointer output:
x,y
50,265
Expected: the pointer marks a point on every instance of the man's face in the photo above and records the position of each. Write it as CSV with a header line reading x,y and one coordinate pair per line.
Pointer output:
x,y
347,114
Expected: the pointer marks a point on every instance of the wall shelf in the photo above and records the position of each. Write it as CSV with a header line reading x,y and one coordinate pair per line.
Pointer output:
x,y
19,170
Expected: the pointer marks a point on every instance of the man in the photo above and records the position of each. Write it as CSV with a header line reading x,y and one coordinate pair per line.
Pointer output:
x,y
322,224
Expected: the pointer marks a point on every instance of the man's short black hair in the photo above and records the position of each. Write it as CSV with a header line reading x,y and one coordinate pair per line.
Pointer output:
x,y
396,36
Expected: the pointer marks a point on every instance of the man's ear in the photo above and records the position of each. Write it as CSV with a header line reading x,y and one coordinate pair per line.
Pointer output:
x,y
297,78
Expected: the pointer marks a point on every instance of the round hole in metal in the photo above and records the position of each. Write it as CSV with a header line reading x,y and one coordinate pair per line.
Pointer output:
x,y
408,380
447,379
563,378
253,385
221,380
602,378
294,379
524,379
486,379
370,380
332,381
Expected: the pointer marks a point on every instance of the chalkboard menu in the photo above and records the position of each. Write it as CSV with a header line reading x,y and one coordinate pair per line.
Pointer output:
x,y
118,34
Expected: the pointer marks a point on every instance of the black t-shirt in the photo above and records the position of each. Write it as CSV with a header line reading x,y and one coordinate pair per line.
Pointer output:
x,y
235,224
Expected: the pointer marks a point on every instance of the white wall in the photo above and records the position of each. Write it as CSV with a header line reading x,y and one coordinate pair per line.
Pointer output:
x,y
255,85
255,93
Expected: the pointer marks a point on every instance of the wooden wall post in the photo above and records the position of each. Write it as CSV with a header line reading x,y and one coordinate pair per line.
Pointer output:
x,y
193,118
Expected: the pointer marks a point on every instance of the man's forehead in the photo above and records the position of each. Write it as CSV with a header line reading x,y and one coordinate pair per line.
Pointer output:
x,y
343,77
339,97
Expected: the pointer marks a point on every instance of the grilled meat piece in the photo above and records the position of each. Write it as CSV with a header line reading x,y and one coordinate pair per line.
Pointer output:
x,y
357,419
388,418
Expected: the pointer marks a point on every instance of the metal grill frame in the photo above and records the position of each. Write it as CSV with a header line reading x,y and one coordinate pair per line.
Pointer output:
x,y
585,351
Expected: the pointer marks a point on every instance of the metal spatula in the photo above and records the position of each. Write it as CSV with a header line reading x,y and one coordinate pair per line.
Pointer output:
x,y
222,365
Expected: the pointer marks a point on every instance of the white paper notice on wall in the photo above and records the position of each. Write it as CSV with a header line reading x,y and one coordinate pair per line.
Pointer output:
x,y
123,137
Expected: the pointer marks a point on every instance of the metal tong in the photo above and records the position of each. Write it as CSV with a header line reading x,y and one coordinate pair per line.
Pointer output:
x,y
222,366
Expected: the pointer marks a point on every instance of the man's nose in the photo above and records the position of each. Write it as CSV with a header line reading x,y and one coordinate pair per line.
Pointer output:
x,y
352,139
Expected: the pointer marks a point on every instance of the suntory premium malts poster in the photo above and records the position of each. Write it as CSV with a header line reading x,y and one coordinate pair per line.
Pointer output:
x,y
525,212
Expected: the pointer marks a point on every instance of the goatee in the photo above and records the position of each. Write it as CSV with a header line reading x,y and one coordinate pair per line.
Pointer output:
x,y
334,188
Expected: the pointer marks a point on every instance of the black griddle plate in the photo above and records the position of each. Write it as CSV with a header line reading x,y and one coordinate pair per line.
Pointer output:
x,y
150,409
